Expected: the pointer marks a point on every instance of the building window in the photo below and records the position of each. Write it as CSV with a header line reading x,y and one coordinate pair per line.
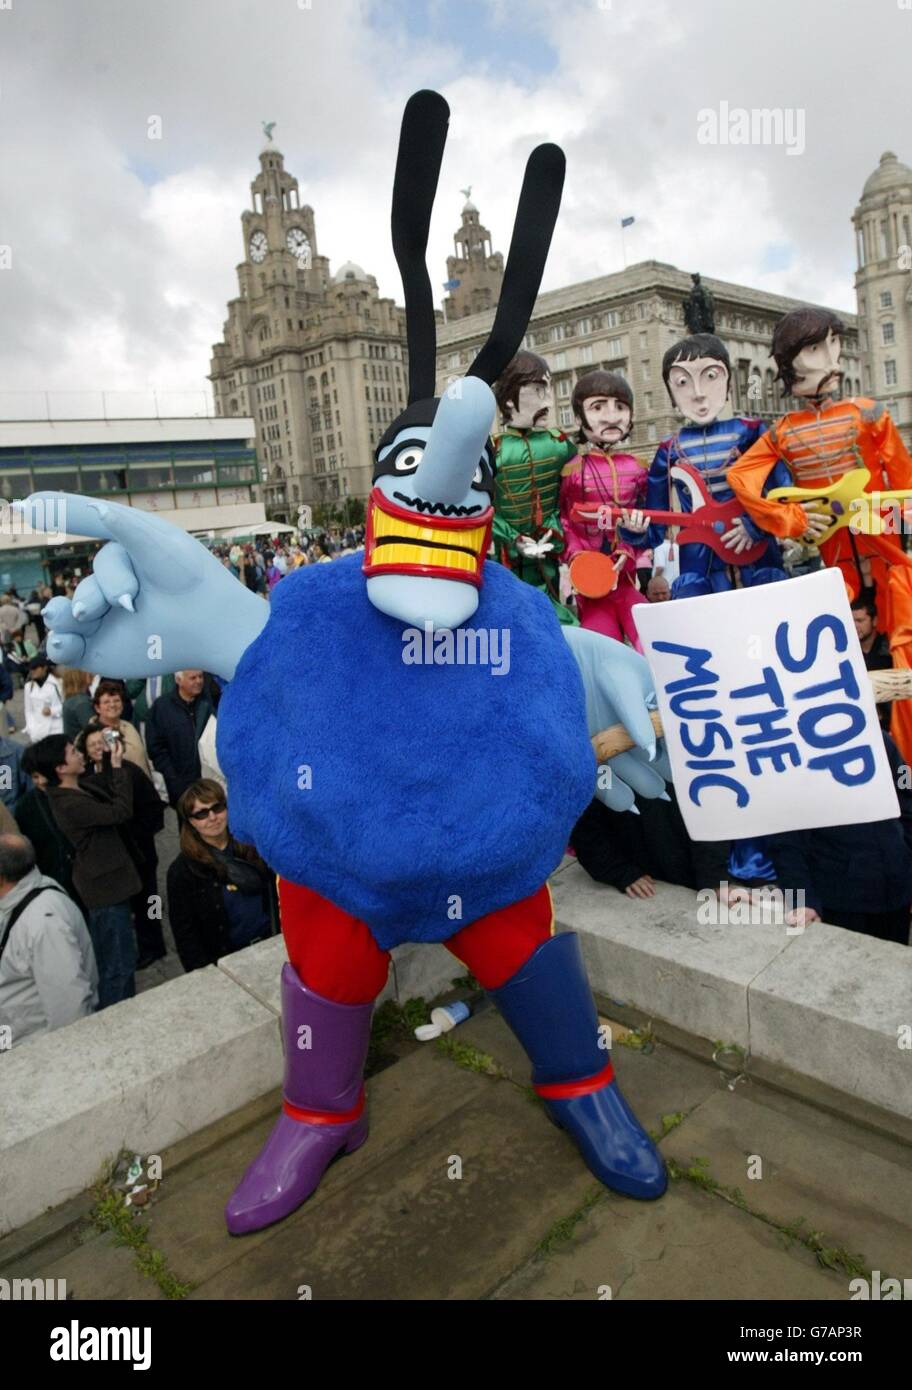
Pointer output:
x,y
890,372
612,318
886,299
584,326
565,415
644,341
559,361
645,370
647,400
613,347
556,333
651,433
563,387
585,353
889,334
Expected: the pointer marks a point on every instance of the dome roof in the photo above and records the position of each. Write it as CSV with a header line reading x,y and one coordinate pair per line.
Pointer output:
x,y
889,174
349,271
469,206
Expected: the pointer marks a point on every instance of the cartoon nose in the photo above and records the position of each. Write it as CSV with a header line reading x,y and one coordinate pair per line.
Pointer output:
x,y
457,440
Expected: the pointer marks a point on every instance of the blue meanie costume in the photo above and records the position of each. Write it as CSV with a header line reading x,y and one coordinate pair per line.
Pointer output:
x,y
399,801
439,780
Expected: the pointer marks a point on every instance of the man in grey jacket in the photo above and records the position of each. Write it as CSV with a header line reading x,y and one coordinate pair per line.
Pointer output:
x,y
48,975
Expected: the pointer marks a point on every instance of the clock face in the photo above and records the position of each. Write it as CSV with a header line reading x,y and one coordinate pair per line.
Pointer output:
x,y
299,246
258,247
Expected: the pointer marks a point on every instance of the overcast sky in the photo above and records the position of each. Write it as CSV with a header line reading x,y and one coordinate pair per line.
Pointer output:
x,y
124,248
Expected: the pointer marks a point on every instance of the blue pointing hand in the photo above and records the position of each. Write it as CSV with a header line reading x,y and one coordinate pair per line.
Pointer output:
x,y
619,690
157,601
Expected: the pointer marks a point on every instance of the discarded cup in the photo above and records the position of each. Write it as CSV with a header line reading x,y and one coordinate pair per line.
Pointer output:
x,y
442,1020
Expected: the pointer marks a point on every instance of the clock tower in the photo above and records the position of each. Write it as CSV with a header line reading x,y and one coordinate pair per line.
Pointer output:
x,y
279,233
317,360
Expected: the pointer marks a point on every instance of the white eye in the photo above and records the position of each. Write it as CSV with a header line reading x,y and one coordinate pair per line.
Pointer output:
x,y
408,460
478,475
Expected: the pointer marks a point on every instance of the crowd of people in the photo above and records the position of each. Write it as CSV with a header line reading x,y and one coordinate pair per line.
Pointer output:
x,y
261,563
82,803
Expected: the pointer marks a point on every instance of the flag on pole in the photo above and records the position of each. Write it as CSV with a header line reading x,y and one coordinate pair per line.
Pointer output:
x,y
627,221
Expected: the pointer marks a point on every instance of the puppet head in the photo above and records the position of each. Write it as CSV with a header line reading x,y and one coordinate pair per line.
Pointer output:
x,y
697,374
523,393
603,404
806,347
430,510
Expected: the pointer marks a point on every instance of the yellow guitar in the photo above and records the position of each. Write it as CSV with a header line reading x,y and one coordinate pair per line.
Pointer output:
x,y
847,502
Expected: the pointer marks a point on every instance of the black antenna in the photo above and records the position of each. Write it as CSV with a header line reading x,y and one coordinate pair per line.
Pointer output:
x,y
421,141
536,214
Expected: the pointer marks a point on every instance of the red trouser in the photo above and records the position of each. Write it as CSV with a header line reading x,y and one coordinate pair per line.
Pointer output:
x,y
336,956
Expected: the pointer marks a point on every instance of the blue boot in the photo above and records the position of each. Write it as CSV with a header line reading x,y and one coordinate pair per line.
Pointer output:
x,y
549,1006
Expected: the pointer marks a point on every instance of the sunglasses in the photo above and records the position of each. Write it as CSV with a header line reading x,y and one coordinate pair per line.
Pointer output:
x,y
215,809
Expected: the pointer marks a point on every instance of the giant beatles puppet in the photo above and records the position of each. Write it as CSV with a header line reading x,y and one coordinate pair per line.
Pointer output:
x,y
529,456
599,478
697,375
838,451
399,799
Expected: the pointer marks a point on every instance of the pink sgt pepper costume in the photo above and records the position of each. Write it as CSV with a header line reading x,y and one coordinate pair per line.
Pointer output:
x,y
601,478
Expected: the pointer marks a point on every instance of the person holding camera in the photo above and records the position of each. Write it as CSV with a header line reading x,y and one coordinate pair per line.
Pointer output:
x,y
108,705
96,743
104,875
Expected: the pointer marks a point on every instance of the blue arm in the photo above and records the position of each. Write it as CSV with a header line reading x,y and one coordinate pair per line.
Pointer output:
x,y
156,600
619,690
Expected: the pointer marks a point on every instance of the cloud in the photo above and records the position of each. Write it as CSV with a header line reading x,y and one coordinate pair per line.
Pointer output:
x,y
124,248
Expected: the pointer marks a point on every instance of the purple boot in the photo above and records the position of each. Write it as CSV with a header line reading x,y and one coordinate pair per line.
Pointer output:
x,y
323,1113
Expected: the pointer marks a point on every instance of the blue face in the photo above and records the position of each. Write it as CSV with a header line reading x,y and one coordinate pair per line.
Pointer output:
x,y
431,510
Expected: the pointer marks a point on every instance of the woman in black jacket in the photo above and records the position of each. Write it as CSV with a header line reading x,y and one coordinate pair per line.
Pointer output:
x,y
138,836
221,896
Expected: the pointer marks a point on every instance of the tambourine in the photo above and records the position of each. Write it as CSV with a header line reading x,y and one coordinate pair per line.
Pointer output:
x,y
593,574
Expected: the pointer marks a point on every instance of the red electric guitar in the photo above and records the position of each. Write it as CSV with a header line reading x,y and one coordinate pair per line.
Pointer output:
x,y
705,524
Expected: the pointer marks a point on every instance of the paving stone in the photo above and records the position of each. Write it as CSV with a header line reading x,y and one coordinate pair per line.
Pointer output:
x,y
856,1198
404,1102
408,1231
98,1269
656,1083
688,1245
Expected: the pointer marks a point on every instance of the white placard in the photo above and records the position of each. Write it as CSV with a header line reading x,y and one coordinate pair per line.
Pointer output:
x,y
767,709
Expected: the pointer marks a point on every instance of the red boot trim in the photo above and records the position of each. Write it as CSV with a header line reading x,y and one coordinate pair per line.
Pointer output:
x,y
568,1090
324,1117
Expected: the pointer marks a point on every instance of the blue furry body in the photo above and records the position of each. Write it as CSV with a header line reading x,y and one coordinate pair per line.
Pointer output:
x,y
417,797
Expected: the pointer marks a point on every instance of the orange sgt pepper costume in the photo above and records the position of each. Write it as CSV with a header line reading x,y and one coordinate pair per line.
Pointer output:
x,y
820,445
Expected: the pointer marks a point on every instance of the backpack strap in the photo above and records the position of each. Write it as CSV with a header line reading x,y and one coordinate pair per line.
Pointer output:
x,y
23,904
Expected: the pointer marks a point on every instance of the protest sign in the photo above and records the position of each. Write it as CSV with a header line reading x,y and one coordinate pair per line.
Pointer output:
x,y
767,710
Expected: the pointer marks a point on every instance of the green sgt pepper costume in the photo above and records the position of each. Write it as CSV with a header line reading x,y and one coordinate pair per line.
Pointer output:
x,y
527,533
